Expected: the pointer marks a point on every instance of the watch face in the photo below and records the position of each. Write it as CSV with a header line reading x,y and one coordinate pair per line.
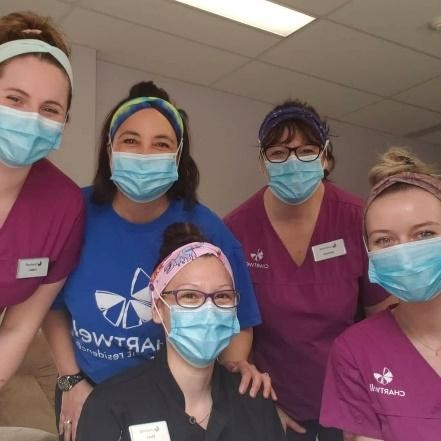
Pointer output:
x,y
64,383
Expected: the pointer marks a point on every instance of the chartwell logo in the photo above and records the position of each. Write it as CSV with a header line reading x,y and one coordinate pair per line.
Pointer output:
x,y
385,378
257,258
127,313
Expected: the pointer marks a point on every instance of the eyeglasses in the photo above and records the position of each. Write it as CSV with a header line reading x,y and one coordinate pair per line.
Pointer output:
x,y
193,298
281,153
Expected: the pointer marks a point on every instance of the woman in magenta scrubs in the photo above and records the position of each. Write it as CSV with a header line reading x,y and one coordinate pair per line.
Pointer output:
x,y
41,209
303,244
384,375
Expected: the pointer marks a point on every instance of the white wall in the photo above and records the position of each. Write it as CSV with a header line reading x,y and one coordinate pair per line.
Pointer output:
x,y
76,156
223,132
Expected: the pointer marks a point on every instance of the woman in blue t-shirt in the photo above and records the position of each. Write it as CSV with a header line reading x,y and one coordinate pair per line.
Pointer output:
x,y
101,323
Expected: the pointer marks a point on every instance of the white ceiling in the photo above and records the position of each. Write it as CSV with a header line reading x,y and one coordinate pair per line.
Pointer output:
x,y
373,63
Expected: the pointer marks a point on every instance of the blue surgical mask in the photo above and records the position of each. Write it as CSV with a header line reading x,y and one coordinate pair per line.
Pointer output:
x,y
294,181
410,271
144,178
200,335
26,137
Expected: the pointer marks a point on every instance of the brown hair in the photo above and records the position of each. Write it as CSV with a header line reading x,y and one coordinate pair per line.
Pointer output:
x,y
184,188
177,235
16,26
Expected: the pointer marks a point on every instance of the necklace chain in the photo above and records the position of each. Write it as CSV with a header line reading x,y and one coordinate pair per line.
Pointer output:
x,y
412,335
193,419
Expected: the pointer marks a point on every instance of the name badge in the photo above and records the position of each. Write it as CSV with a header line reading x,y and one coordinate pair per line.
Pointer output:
x,y
150,432
37,267
329,250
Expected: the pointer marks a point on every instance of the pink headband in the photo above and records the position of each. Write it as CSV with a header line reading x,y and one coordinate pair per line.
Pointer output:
x,y
430,183
182,256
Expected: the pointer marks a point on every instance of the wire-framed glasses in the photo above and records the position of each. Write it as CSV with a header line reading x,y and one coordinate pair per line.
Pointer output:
x,y
193,298
281,153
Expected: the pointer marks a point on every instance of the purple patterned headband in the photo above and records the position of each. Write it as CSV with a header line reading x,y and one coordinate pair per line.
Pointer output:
x,y
275,117
179,258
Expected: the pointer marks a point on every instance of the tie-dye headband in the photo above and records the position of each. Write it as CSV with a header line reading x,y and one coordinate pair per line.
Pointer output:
x,y
277,116
132,106
30,45
182,256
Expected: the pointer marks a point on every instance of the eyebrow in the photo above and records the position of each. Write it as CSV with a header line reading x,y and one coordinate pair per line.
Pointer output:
x,y
128,132
415,227
163,136
22,92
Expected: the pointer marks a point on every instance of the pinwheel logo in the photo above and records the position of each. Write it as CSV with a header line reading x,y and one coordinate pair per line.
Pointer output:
x,y
127,313
385,378
257,256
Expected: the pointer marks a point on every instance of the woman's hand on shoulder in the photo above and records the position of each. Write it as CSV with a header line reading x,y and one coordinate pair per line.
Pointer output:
x,y
252,377
71,407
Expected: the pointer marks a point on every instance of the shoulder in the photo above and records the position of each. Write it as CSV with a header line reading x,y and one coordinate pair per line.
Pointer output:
x,y
211,226
126,383
244,211
365,335
343,197
58,187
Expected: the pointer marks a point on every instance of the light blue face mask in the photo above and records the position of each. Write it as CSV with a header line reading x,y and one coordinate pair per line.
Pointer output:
x,y
200,335
410,271
144,178
294,181
26,137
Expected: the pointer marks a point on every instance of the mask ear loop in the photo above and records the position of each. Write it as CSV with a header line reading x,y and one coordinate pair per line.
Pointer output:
x,y
179,152
154,306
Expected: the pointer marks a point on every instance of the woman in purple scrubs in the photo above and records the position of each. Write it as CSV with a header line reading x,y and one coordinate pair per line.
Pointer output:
x,y
384,375
303,244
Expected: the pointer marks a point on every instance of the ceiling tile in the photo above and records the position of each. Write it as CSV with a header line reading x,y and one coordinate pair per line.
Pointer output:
x,y
148,50
403,21
274,85
393,117
433,138
334,52
45,7
317,7
426,95
192,24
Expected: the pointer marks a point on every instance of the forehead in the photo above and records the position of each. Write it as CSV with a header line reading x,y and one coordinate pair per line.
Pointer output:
x,y
403,208
37,77
205,271
148,120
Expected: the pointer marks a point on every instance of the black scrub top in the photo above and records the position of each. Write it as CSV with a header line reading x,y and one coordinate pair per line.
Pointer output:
x,y
149,393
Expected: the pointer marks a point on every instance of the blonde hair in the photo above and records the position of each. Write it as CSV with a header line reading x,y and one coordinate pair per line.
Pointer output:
x,y
397,160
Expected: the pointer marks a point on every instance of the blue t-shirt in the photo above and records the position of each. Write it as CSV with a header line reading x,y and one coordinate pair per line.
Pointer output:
x,y
107,294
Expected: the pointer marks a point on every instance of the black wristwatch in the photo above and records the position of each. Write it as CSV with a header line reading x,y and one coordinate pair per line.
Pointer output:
x,y
67,382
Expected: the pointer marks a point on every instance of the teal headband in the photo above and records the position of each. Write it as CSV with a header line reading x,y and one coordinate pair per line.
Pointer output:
x,y
26,46
132,106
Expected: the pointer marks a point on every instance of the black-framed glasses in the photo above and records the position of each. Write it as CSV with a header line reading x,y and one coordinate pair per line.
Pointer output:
x,y
193,298
281,153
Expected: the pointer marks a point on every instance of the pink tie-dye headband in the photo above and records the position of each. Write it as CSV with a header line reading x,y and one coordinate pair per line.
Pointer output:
x,y
182,256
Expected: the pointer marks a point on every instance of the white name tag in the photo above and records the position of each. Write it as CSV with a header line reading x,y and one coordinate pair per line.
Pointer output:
x,y
329,250
37,267
150,432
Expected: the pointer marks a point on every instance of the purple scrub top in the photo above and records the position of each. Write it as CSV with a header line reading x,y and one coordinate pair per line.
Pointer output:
x,y
378,385
304,308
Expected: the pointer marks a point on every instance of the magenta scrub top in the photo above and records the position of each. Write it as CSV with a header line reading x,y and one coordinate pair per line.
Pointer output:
x,y
304,308
378,385
46,221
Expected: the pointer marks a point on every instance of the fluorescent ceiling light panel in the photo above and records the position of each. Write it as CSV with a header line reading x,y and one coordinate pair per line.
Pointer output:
x,y
261,14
